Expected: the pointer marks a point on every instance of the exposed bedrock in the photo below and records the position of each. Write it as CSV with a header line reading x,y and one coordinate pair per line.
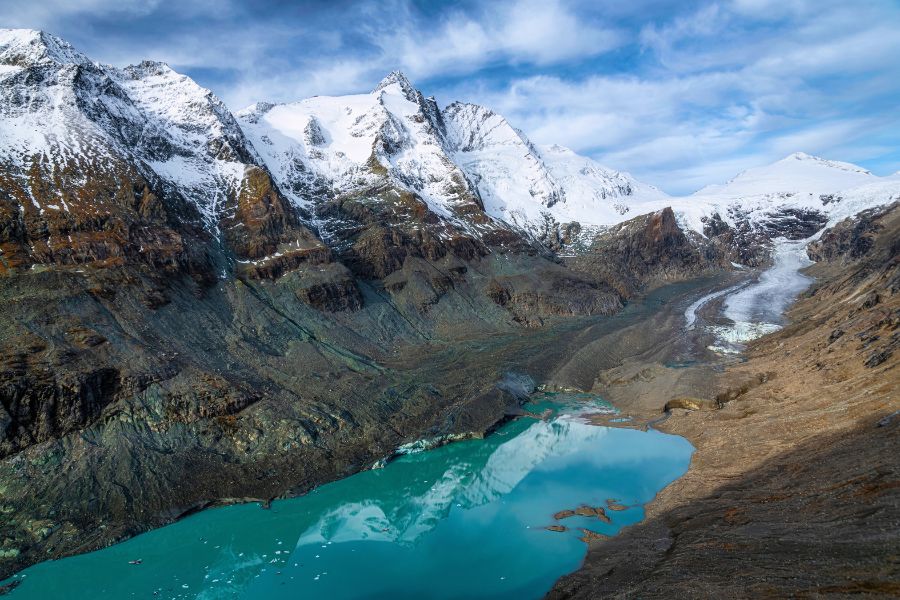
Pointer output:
x,y
203,308
748,241
851,239
259,387
647,250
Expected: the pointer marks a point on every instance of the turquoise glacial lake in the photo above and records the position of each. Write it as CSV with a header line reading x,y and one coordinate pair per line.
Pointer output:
x,y
466,520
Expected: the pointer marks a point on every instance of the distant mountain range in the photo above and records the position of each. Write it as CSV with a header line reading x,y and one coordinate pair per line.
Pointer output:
x,y
466,166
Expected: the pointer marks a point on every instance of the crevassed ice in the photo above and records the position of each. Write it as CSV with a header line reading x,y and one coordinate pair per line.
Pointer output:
x,y
758,308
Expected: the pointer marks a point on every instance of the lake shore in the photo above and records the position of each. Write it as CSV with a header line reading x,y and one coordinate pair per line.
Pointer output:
x,y
475,370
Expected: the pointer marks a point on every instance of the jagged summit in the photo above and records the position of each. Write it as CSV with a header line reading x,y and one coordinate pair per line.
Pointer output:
x,y
252,113
399,79
145,119
151,67
29,47
465,163
348,143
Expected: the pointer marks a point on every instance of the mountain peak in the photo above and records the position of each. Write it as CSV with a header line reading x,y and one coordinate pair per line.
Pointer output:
x,y
557,149
801,156
27,47
399,79
150,67
824,162
796,172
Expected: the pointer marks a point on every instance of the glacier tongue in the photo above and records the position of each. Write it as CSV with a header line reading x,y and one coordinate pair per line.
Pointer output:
x,y
758,309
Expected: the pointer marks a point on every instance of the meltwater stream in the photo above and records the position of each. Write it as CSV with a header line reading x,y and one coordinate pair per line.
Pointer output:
x,y
466,520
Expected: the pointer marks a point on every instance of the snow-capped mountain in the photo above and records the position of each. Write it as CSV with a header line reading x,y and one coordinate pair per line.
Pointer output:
x,y
526,185
461,170
799,184
352,142
204,152
136,165
467,160
146,115
796,173
459,160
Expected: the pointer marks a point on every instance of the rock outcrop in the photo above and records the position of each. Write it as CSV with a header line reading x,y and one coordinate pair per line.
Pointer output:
x,y
200,307
648,250
851,239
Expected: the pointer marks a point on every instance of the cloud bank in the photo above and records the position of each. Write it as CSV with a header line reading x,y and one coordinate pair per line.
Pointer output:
x,y
681,94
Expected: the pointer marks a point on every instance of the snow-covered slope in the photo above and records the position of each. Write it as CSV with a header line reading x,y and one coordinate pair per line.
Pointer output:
x,y
529,186
596,194
204,152
465,166
453,159
797,173
799,183
54,102
61,110
515,184
348,143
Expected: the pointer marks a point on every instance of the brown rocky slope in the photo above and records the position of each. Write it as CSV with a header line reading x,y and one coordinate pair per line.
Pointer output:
x,y
794,489
151,366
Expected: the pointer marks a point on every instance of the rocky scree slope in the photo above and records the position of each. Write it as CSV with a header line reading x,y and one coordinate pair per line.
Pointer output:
x,y
187,322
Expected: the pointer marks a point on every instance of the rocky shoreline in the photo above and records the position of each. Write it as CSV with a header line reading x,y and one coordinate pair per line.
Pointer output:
x,y
794,490
51,518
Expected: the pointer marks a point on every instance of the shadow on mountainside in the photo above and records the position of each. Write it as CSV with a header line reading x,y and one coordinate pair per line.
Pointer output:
x,y
794,490
822,519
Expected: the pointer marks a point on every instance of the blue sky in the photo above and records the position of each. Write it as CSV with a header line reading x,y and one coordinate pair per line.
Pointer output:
x,y
679,93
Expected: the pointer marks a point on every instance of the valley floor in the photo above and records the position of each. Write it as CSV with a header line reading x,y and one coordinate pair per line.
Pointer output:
x,y
794,490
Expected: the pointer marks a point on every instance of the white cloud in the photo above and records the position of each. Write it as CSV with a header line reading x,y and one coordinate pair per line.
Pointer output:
x,y
701,90
726,94
539,32
54,14
531,32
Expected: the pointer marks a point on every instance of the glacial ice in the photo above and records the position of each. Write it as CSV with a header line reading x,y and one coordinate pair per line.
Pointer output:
x,y
759,308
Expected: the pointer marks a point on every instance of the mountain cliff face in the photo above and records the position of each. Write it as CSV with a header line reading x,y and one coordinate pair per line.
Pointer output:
x,y
137,168
201,306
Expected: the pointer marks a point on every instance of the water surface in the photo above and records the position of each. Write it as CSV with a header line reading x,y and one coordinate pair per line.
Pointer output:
x,y
466,520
